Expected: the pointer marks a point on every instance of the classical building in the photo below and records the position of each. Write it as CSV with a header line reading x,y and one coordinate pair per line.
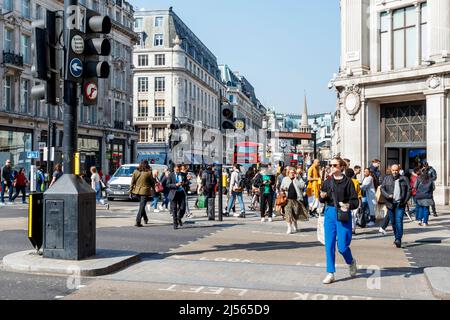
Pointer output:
x,y
106,138
393,85
176,79
241,95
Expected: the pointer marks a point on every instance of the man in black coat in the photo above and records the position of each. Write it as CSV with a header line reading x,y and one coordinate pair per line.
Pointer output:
x,y
397,191
177,196
433,176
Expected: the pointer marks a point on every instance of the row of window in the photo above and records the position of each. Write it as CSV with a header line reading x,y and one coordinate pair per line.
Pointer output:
x,y
160,84
25,7
25,44
147,135
399,34
9,96
160,60
139,23
143,108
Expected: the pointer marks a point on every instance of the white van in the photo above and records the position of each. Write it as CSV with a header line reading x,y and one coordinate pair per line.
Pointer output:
x,y
119,185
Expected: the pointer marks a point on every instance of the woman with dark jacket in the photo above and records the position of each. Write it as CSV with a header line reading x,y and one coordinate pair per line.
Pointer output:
x,y
424,187
20,182
338,194
143,185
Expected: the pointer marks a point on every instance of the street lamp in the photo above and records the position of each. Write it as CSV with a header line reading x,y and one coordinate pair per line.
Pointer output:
x,y
315,127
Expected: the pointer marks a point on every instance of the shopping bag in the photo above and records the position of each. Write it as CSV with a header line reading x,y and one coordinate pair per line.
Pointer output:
x,y
201,202
321,229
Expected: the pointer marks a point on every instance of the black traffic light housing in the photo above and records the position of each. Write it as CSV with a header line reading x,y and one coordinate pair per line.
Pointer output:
x,y
227,117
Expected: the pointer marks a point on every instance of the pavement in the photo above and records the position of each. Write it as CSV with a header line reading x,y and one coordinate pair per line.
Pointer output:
x,y
250,260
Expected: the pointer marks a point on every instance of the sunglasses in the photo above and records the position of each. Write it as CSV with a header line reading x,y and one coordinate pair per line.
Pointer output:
x,y
335,165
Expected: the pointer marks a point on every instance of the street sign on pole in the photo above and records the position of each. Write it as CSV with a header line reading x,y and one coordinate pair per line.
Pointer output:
x,y
33,154
76,67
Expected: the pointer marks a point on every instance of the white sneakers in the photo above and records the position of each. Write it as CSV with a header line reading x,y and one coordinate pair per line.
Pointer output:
x,y
289,230
236,215
329,279
263,219
382,231
270,220
155,210
353,269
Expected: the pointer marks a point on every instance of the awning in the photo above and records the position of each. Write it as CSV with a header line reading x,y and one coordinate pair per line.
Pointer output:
x,y
152,157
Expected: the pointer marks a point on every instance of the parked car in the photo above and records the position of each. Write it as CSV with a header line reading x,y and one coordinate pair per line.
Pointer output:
x,y
118,186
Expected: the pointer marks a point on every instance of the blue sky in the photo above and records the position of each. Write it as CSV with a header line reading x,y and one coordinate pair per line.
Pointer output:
x,y
283,47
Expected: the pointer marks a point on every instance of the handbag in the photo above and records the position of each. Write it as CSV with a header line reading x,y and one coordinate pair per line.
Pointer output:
x,y
159,187
281,199
102,185
201,202
342,216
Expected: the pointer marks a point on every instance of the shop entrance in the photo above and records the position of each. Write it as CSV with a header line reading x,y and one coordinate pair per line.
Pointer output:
x,y
408,158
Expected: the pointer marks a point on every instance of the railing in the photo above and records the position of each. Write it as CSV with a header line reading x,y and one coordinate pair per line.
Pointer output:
x,y
118,125
12,58
153,119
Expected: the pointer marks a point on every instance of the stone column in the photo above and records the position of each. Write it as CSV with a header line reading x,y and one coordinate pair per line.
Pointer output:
x,y
373,132
437,140
439,24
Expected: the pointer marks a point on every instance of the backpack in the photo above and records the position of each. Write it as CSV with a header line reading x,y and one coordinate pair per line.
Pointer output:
x,y
211,180
242,182
424,190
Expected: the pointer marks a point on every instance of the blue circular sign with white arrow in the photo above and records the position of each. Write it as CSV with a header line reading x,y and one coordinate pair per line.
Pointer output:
x,y
76,67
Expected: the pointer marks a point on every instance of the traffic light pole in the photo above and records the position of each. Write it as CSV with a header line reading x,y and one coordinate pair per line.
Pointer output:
x,y
70,126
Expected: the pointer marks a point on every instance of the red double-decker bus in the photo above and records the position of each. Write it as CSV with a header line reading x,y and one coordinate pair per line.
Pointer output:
x,y
246,153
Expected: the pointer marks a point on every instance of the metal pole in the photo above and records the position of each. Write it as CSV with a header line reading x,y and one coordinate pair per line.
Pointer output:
x,y
49,130
220,189
70,106
315,145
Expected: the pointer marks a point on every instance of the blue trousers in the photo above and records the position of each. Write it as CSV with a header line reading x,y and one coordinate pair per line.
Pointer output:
x,y
10,190
396,216
423,213
235,195
340,230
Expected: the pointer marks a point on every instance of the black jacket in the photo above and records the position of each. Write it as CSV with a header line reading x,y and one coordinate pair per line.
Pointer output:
x,y
387,189
171,184
344,190
209,182
258,183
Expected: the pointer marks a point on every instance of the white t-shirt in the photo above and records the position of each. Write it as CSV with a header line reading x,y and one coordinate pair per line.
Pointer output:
x,y
95,180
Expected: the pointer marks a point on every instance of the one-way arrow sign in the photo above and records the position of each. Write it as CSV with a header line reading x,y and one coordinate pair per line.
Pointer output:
x,y
76,67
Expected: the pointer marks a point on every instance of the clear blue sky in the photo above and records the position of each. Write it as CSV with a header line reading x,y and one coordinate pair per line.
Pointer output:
x,y
283,47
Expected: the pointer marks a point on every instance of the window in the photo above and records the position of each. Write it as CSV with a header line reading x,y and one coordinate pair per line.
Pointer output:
x,y
25,42
142,60
8,40
7,102
138,24
143,108
160,110
160,84
159,40
39,12
142,84
159,21
158,135
8,4
404,37
160,59
384,39
424,31
25,92
26,9
143,135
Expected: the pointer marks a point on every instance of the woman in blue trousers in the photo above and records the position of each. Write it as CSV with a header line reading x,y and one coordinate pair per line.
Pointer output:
x,y
338,192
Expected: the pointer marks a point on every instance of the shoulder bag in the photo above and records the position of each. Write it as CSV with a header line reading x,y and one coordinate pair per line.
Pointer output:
x,y
342,216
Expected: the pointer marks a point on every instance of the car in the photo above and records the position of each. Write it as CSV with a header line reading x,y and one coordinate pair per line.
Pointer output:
x,y
118,186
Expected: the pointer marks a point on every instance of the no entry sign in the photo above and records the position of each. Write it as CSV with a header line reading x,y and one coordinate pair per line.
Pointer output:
x,y
90,91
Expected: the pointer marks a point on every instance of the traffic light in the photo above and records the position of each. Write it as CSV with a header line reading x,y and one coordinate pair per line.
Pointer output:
x,y
228,118
45,56
94,47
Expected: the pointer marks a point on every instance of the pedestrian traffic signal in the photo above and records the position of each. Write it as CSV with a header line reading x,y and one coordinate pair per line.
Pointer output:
x,y
228,118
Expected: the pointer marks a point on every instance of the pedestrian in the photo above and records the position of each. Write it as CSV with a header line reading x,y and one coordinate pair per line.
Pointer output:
x,y
6,182
415,174
57,173
375,169
40,179
209,182
357,170
158,188
433,176
164,181
313,188
255,193
424,186
340,197
95,184
176,183
20,183
199,187
369,193
350,173
249,175
143,186
186,187
397,191
294,209
283,174
237,186
266,184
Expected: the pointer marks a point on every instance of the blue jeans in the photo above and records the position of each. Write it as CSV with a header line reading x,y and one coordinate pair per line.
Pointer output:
x,y
155,201
232,199
340,230
166,200
416,205
423,214
98,192
10,191
396,216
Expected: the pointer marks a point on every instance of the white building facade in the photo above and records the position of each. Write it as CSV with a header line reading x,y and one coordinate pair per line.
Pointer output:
x,y
176,77
106,138
393,85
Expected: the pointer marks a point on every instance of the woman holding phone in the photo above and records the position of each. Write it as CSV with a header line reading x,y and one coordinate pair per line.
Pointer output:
x,y
340,197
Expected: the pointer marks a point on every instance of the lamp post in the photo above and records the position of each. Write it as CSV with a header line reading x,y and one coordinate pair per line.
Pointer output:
x,y
315,129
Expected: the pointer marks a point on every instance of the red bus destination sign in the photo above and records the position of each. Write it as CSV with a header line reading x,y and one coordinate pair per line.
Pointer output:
x,y
294,135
